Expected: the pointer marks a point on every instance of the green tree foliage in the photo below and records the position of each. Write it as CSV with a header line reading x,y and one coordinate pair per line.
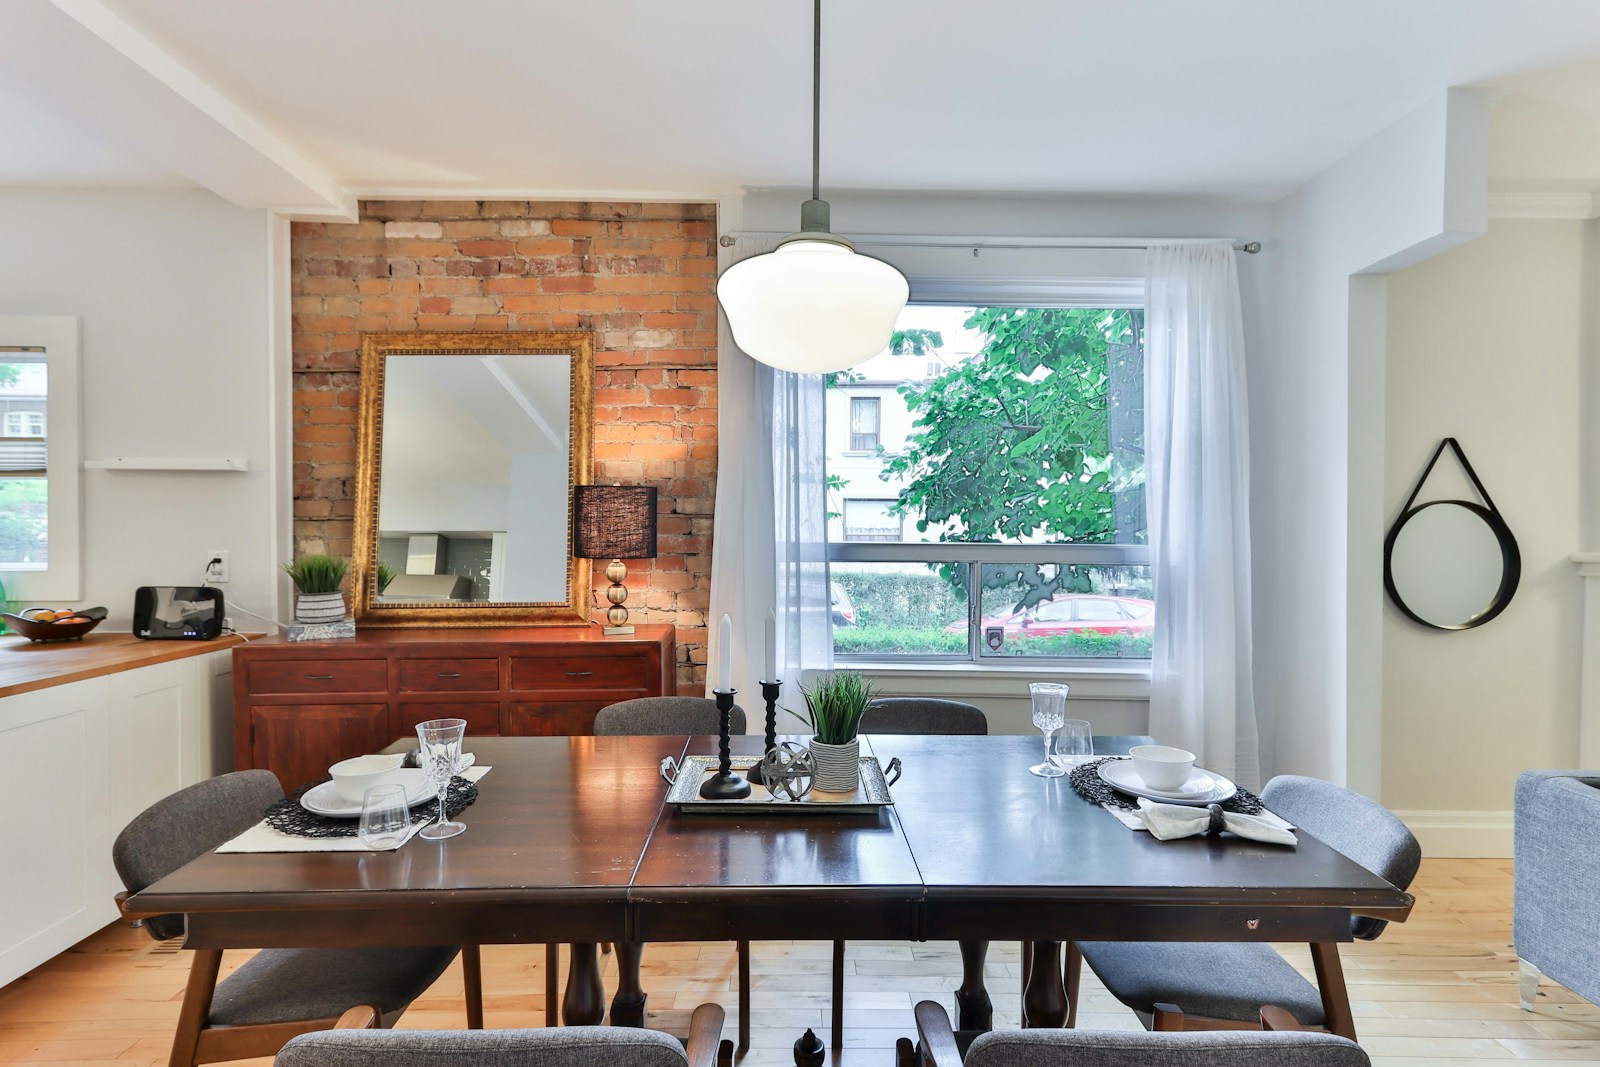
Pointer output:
x,y
1015,443
23,511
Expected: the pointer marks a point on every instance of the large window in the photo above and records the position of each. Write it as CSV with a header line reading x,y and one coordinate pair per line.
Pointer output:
x,y
39,519
1001,515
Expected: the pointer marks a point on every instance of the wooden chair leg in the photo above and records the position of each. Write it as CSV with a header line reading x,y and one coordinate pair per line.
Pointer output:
x,y
905,1053
472,979
1027,969
1072,977
552,995
837,1018
203,970
743,950
1167,1018
1330,983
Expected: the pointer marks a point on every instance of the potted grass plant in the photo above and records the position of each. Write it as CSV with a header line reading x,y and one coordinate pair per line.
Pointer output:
x,y
316,581
834,705
386,575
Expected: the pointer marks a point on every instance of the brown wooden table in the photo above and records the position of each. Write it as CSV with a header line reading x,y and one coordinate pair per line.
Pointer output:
x,y
569,842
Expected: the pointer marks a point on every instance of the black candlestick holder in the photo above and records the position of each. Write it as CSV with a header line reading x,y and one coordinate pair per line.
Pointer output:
x,y
769,693
724,785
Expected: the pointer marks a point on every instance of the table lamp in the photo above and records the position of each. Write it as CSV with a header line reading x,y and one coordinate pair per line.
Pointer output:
x,y
614,522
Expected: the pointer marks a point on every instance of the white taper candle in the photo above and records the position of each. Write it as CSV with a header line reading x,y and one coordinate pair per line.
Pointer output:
x,y
725,654
771,665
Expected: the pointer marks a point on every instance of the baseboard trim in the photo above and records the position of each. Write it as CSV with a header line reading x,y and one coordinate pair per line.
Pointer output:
x,y
1461,834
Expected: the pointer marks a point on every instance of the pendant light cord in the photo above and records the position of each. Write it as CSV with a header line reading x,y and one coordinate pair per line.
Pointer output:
x,y
816,101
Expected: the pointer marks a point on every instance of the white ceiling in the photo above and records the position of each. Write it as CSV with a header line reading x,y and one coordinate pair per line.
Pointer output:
x,y
1237,98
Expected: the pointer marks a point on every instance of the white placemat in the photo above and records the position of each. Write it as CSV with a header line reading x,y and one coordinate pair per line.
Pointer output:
x,y
263,838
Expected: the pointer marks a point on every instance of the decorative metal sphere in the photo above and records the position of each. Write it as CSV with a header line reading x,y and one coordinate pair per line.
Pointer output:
x,y
788,769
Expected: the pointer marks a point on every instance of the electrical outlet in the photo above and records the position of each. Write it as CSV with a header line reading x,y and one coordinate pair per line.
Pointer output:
x,y
217,566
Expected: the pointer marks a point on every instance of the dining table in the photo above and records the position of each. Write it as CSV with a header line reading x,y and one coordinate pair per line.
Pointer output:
x,y
571,840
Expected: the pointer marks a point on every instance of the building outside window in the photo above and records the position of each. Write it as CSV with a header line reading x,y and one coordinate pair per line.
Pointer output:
x,y
24,423
1001,515
864,421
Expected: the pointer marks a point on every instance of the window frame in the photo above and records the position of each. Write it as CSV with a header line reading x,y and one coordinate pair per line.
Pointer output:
x,y
876,435
58,336
1086,292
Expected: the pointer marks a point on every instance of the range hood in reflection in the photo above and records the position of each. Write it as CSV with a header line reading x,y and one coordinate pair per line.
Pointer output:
x,y
425,577
428,587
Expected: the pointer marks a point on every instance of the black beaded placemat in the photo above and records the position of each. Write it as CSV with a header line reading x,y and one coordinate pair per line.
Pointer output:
x,y
287,816
1088,784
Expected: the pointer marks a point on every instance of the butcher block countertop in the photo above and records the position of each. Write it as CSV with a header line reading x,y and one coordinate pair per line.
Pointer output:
x,y
28,665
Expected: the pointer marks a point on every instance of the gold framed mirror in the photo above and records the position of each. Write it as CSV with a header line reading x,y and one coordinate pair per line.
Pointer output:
x,y
469,446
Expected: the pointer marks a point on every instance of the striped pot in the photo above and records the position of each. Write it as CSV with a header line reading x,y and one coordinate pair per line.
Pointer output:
x,y
319,607
838,766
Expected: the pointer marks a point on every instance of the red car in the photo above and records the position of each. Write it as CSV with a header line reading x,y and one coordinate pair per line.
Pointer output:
x,y
1073,613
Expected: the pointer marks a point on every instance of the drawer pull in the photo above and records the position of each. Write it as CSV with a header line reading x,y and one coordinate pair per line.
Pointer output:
x,y
579,674
449,674
319,677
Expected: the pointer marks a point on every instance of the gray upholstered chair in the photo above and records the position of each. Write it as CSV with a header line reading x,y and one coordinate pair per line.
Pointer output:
x,y
354,1044
279,992
1102,1048
1226,984
922,715
663,716
1555,915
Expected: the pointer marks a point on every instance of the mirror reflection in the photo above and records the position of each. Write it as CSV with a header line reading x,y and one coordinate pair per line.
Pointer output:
x,y
1447,565
473,502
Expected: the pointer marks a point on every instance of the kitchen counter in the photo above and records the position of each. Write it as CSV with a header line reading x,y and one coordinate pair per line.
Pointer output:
x,y
28,665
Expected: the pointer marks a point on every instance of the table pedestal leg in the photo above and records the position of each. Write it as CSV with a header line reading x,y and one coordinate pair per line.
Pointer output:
x,y
974,1010
627,1007
1045,1002
585,1000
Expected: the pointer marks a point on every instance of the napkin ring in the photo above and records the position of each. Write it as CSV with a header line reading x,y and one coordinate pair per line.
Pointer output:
x,y
1218,823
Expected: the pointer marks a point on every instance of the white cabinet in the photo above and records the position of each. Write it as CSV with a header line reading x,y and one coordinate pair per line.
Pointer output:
x,y
77,762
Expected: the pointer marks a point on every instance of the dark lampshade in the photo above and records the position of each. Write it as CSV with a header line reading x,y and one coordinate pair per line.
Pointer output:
x,y
614,521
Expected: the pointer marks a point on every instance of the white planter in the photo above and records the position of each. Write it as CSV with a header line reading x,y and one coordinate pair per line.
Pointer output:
x,y
319,607
838,767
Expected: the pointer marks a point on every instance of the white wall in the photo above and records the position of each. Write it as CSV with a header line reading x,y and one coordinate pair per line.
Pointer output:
x,y
1317,418
172,287
1484,345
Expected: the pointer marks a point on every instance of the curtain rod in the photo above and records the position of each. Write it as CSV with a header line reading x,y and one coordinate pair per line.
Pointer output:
x,y
896,240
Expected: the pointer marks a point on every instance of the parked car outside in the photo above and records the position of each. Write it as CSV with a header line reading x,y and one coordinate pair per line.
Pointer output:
x,y
1072,613
844,612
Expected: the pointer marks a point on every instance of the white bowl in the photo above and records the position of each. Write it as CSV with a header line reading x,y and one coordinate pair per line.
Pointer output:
x,y
353,777
1161,766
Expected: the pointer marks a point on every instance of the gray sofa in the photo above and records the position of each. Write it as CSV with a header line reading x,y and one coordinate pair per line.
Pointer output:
x,y
1556,915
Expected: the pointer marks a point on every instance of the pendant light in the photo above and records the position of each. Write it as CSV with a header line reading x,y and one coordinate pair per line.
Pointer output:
x,y
813,304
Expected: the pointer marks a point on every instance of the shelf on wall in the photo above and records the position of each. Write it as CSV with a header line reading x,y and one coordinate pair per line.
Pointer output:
x,y
164,463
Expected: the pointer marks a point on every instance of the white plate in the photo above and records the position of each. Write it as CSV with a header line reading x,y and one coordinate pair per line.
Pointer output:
x,y
1119,774
325,799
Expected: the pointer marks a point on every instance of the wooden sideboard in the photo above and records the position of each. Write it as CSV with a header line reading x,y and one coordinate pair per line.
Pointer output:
x,y
300,707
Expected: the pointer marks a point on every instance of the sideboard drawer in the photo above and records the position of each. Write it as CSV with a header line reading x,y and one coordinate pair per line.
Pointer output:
x,y
483,716
269,677
629,672
552,718
449,675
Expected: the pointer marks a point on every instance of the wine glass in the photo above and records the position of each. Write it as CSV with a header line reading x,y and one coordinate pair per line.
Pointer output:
x,y
439,755
385,817
1074,744
1049,712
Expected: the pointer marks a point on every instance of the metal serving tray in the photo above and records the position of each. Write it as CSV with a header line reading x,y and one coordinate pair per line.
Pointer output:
x,y
871,796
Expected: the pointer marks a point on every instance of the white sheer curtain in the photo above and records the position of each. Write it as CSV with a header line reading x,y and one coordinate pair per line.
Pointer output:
x,y
1198,501
769,533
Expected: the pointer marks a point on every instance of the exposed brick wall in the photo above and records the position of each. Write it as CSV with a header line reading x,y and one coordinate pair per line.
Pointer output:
x,y
638,275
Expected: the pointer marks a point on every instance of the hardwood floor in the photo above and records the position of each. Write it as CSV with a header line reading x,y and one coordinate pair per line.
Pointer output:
x,y
1438,991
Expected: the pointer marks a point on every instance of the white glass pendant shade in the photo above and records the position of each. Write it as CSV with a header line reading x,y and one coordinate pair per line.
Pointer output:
x,y
812,306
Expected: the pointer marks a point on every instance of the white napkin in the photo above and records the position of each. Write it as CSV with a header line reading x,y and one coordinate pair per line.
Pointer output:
x,y
263,838
1168,822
